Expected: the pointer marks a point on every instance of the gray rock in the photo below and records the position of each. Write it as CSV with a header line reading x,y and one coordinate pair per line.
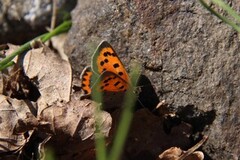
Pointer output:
x,y
21,20
191,58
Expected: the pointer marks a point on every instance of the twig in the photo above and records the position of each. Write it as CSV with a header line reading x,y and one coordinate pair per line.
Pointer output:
x,y
191,150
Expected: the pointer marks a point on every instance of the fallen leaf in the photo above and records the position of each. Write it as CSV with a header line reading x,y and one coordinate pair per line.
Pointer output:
x,y
19,86
58,43
176,153
11,110
53,75
73,126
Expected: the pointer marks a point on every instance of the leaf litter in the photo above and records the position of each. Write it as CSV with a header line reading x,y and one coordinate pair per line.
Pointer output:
x,y
66,123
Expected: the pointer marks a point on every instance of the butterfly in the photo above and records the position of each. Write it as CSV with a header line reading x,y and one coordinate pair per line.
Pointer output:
x,y
107,66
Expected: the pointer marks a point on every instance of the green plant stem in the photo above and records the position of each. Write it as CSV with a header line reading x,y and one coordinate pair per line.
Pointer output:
x,y
224,19
22,48
126,118
123,128
64,27
227,8
7,65
101,153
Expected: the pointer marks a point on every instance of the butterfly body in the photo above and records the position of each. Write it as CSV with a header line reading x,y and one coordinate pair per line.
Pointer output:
x,y
106,65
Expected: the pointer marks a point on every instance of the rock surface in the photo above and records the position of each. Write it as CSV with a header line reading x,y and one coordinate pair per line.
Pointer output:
x,y
21,20
191,58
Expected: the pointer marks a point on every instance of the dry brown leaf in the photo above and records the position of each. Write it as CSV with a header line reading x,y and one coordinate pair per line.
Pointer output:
x,y
76,119
53,74
1,84
172,153
58,43
73,126
11,110
198,155
19,86
11,48
175,153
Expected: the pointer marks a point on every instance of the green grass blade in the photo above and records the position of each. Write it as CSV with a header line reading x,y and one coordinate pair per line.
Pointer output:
x,y
100,144
64,27
224,19
126,118
101,153
7,65
49,154
227,8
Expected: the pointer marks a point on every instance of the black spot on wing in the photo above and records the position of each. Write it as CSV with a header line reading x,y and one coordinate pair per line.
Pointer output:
x,y
102,63
85,74
105,81
120,73
109,78
121,87
114,54
116,65
85,91
105,54
117,83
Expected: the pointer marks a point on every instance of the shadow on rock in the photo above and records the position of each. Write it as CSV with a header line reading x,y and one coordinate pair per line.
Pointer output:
x,y
197,118
147,97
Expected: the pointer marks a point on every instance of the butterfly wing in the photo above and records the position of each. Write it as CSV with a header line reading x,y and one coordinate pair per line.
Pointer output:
x,y
109,82
86,80
107,66
105,59
112,82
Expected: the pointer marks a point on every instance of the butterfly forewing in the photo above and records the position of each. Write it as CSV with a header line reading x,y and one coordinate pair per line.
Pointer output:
x,y
106,59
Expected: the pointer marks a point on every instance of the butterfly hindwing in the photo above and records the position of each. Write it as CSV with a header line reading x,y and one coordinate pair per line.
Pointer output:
x,y
86,80
112,82
109,82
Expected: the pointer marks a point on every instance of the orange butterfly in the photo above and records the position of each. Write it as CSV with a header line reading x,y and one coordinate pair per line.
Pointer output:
x,y
108,67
